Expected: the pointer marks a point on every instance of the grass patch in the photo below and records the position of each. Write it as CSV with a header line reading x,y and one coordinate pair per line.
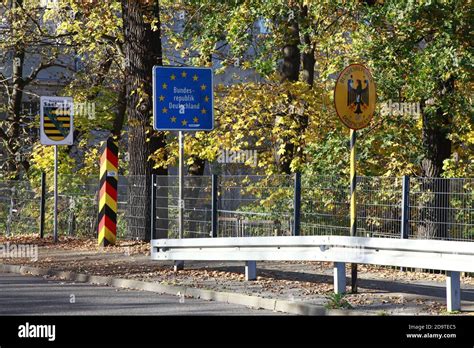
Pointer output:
x,y
337,301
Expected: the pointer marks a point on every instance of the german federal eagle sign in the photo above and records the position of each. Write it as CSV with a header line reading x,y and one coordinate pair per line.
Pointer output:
x,y
355,97
56,120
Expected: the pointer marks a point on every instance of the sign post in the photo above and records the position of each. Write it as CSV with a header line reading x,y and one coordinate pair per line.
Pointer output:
x,y
181,185
353,204
55,223
183,101
56,128
354,99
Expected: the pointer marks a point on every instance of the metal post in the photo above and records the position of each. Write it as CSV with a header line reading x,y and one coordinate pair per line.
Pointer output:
x,y
153,206
353,230
55,226
297,205
250,270
179,265
42,203
107,226
339,277
404,229
453,291
215,187
181,186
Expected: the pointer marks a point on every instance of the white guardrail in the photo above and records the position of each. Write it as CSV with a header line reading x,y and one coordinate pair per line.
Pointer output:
x,y
451,256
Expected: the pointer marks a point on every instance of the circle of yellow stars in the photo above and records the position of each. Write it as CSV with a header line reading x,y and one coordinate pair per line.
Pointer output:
x,y
162,98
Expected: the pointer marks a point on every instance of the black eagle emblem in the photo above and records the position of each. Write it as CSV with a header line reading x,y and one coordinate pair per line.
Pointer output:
x,y
357,96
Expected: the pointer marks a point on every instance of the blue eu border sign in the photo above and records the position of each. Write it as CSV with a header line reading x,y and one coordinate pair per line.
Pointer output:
x,y
183,98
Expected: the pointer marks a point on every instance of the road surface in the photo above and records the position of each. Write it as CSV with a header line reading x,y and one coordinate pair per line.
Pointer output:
x,y
30,295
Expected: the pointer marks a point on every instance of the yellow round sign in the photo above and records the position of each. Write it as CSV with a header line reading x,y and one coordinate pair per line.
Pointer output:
x,y
354,96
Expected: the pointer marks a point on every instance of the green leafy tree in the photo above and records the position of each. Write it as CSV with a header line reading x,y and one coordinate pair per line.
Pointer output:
x,y
266,41
420,52
25,34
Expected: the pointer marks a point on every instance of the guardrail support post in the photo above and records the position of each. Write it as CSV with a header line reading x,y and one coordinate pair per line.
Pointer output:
x,y
178,266
404,229
42,203
250,270
153,206
339,277
453,291
214,213
297,205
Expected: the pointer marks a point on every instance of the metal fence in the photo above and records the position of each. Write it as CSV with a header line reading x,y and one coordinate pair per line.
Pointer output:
x,y
255,206
249,205
196,207
441,209
324,206
19,207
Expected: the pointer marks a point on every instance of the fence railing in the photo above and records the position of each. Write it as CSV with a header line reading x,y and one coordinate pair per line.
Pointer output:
x,y
246,205
415,208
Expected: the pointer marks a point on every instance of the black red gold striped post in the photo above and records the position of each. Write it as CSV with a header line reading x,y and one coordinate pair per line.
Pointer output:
x,y
353,206
107,230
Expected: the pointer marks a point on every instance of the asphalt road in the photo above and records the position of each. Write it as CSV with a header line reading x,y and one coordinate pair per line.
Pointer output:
x,y
29,295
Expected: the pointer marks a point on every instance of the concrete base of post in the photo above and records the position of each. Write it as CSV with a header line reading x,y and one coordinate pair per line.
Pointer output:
x,y
178,266
339,277
250,270
453,291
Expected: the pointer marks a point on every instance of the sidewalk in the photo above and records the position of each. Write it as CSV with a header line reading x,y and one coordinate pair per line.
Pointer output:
x,y
382,291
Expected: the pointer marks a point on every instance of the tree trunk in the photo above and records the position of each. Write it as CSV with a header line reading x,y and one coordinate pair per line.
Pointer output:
x,y
291,53
290,72
12,143
121,110
308,55
307,74
142,50
437,147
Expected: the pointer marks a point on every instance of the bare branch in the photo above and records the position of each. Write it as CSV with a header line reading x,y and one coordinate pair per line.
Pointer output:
x,y
42,67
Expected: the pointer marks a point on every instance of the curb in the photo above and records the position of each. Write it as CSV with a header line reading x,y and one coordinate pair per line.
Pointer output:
x,y
256,302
